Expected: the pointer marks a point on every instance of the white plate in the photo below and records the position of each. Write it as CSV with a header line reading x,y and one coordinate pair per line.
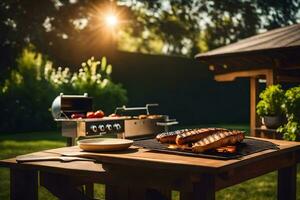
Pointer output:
x,y
104,144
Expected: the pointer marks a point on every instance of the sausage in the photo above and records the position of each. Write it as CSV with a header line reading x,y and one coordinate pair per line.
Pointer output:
x,y
169,137
196,135
218,139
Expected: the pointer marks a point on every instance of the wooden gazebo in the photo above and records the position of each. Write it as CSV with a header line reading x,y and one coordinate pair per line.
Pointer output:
x,y
273,56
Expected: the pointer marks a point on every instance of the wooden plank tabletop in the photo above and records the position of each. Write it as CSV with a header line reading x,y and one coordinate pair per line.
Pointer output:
x,y
76,167
151,159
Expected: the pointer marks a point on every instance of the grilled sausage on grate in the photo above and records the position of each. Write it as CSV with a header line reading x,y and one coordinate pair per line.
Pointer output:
x,y
169,137
218,139
196,135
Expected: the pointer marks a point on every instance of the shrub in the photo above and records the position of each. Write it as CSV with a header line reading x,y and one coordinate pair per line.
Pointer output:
x,y
271,101
94,78
291,106
26,95
290,130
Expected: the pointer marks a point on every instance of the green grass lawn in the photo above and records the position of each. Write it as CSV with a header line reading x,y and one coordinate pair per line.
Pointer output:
x,y
11,145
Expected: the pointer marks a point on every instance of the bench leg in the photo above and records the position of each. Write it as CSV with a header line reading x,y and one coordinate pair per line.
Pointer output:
x,y
23,184
286,187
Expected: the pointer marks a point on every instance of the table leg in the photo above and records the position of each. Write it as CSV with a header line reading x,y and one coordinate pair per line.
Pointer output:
x,y
113,192
23,184
62,186
202,190
157,194
131,193
166,193
286,187
89,190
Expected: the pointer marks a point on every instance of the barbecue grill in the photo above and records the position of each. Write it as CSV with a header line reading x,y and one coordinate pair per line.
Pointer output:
x,y
134,122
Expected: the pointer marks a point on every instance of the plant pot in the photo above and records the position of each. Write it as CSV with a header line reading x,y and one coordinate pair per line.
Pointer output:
x,y
272,122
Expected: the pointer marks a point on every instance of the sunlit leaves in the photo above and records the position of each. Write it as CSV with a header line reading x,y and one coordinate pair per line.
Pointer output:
x,y
103,63
271,100
177,27
206,24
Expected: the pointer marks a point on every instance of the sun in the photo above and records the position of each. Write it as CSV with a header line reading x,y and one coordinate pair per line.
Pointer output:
x,y
111,20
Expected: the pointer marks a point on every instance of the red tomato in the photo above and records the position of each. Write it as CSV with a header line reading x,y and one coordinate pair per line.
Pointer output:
x,y
90,115
77,116
99,114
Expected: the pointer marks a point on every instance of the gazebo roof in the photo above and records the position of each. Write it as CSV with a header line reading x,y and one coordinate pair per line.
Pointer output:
x,y
278,48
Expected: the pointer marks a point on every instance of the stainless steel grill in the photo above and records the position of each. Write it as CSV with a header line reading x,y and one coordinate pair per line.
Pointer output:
x,y
133,122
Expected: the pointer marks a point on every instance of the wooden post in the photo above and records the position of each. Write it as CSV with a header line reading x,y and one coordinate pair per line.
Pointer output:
x,y
270,78
253,101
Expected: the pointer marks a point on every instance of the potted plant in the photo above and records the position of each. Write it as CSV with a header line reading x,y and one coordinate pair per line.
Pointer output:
x,y
269,108
291,107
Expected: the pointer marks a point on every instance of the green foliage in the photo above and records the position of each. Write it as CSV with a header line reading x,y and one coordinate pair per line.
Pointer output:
x,y
25,95
290,130
275,101
94,78
291,106
171,27
29,91
271,101
292,103
187,27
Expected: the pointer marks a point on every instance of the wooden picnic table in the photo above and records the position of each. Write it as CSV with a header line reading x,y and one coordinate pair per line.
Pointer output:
x,y
129,173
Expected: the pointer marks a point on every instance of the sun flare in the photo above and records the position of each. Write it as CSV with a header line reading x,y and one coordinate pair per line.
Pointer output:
x,y
111,20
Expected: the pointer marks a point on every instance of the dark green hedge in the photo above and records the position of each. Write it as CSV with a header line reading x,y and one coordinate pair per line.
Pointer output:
x,y
26,95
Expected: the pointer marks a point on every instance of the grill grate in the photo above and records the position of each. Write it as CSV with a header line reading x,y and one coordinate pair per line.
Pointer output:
x,y
247,147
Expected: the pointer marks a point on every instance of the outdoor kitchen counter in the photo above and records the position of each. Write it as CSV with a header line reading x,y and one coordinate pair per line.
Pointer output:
x,y
128,173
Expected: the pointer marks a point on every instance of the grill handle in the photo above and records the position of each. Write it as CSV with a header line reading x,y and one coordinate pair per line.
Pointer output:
x,y
166,124
124,108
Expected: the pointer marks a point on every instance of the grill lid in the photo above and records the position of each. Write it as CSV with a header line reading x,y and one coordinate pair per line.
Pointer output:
x,y
64,106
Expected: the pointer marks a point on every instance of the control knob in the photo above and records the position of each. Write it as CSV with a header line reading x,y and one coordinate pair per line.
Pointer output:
x,y
109,127
101,128
93,128
117,126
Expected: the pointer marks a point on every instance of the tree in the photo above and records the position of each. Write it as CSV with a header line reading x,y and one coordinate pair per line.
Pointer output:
x,y
187,27
58,28
277,13
73,30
